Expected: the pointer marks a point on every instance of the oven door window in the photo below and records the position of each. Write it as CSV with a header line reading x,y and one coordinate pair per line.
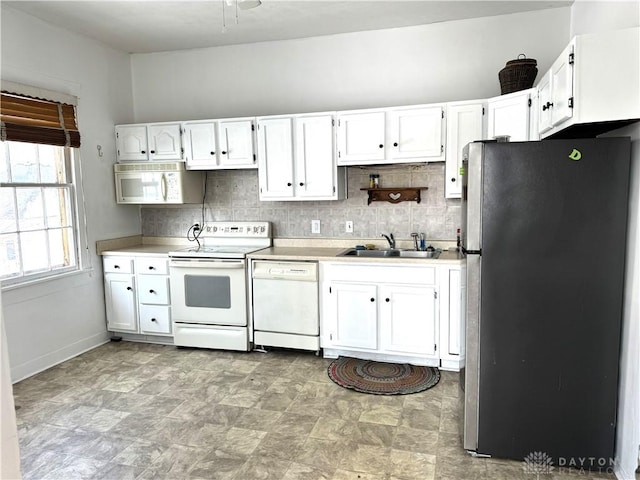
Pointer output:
x,y
207,291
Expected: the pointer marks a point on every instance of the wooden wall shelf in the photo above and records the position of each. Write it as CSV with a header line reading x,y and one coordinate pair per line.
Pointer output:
x,y
394,195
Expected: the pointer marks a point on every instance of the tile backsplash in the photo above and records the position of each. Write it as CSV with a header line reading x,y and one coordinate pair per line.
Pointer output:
x,y
233,195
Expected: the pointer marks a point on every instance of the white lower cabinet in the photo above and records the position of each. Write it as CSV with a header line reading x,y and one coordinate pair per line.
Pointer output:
x,y
380,312
137,294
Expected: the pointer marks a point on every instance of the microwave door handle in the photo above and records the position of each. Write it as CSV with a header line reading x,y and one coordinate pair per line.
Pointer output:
x,y
163,186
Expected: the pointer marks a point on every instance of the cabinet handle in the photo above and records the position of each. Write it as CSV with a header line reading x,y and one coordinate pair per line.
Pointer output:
x,y
152,151
373,299
152,268
381,146
152,291
129,288
395,144
453,179
386,300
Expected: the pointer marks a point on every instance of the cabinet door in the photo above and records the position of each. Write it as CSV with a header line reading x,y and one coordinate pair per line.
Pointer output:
x,y
408,319
315,167
562,87
415,134
131,143
120,302
275,158
353,314
545,103
235,141
165,142
464,125
361,138
200,145
510,116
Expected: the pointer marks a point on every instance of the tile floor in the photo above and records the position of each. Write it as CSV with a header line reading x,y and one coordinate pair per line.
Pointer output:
x,y
127,410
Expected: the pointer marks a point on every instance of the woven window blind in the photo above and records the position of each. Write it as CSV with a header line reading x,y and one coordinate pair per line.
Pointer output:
x,y
34,120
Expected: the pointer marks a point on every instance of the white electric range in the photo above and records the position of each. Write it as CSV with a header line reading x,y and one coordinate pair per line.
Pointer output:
x,y
209,285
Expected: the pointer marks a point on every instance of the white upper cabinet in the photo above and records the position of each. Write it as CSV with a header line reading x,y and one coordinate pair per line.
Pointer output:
x,y
545,102
361,137
235,142
562,87
465,123
392,135
510,115
296,158
219,144
152,141
415,134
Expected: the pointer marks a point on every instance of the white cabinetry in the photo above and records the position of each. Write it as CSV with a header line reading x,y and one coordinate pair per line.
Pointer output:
x,y
465,123
393,135
593,81
153,141
511,115
220,144
137,294
366,314
452,281
296,158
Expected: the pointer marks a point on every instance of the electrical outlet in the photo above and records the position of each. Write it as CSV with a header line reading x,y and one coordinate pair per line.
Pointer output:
x,y
348,226
195,222
315,226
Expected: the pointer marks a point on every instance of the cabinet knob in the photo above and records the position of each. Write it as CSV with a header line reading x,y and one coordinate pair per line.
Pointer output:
x,y
152,268
152,151
547,106
212,153
301,184
373,299
116,266
453,179
288,184
129,288
143,151
381,146
152,291
153,320
387,300
395,144
224,153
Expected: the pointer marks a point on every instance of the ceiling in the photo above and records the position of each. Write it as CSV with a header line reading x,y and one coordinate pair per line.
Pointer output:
x,y
144,26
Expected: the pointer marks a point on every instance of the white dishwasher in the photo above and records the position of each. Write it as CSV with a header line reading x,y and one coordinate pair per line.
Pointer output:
x,y
285,304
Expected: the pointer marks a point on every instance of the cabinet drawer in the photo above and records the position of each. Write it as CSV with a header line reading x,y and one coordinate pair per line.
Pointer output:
x,y
153,289
151,266
155,319
117,264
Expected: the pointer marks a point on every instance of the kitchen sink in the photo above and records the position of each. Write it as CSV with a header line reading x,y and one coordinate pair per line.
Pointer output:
x,y
390,253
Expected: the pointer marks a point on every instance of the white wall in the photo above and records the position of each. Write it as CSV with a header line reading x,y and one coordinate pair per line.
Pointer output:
x,y
589,16
430,63
51,321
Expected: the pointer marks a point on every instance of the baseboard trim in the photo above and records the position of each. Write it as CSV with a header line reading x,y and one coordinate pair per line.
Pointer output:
x,y
42,363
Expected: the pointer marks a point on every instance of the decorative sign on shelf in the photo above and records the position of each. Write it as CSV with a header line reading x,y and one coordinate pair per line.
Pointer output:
x,y
394,195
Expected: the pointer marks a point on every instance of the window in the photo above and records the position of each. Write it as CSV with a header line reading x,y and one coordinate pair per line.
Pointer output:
x,y
38,235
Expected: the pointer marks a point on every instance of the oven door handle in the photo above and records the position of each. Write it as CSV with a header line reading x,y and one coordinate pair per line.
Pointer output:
x,y
206,264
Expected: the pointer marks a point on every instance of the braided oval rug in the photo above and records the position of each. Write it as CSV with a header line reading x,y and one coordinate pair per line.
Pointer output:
x,y
381,378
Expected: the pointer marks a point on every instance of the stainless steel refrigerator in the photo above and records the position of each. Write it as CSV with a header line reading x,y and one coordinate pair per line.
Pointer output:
x,y
544,232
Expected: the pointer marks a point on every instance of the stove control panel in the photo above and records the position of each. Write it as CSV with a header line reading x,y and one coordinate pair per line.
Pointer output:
x,y
237,229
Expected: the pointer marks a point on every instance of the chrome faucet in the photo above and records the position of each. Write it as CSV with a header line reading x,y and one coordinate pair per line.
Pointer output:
x,y
391,240
415,241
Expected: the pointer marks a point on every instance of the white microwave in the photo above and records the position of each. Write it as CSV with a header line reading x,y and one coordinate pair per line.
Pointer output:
x,y
157,183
